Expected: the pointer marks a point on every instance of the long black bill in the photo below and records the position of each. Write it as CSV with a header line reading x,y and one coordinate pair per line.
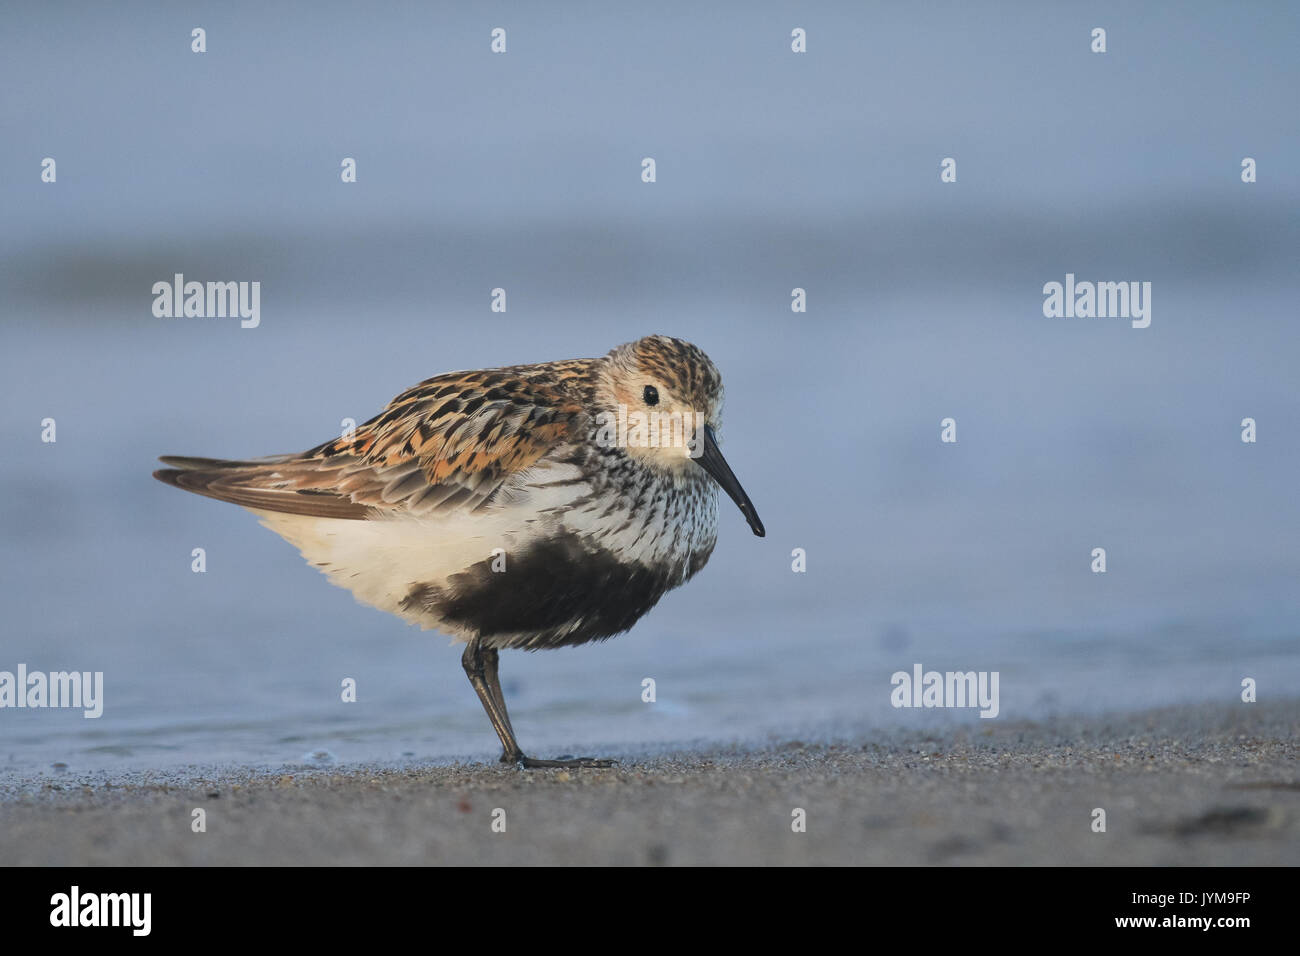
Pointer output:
x,y
711,460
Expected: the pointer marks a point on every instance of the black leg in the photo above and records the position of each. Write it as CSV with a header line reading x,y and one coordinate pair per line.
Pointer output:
x,y
481,666
491,664
475,661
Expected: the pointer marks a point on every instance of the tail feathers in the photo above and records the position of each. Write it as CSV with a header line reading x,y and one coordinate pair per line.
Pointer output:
x,y
261,484
189,463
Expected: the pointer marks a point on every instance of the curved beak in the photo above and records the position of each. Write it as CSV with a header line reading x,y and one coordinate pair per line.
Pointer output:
x,y
711,460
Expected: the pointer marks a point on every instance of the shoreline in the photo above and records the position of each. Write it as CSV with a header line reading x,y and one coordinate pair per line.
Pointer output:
x,y
1186,785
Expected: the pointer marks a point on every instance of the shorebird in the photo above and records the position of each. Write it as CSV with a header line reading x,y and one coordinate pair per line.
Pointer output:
x,y
533,506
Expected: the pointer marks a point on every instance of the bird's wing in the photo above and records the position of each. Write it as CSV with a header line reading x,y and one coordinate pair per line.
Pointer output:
x,y
449,443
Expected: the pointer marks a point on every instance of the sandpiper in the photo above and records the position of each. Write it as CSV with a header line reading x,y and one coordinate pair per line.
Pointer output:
x,y
533,506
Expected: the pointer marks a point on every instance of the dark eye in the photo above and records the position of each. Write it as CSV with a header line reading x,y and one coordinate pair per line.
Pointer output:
x,y
651,395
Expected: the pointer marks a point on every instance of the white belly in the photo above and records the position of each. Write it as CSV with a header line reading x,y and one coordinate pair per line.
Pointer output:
x,y
381,560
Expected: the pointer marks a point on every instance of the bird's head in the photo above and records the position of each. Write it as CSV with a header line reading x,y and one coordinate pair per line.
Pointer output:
x,y
660,400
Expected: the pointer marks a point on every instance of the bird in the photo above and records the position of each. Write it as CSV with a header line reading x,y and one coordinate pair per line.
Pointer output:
x,y
525,507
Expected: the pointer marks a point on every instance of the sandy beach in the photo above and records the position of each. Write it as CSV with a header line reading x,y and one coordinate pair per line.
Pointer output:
x,y
1181,786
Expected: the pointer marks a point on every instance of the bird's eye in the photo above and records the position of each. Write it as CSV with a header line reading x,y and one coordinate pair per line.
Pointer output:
x,y
651,395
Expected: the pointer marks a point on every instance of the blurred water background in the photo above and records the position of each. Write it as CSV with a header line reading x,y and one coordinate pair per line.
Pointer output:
x,y
775,171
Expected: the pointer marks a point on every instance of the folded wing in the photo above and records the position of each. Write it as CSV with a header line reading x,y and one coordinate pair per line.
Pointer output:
x,y
449,443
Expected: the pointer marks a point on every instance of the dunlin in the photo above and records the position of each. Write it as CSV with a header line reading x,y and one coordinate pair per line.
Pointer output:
x,y
533,506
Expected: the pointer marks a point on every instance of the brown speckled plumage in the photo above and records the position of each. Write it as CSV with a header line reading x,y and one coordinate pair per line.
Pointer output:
x,y
492,505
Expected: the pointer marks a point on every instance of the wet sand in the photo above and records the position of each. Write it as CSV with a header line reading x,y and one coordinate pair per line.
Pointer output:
x,y
1183,786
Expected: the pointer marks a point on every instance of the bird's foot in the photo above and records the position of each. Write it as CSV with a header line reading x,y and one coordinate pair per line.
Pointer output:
x,y
524,762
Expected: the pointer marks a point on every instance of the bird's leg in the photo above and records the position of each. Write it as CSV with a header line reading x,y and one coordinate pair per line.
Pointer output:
x,y
491,667
478,663
481,666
